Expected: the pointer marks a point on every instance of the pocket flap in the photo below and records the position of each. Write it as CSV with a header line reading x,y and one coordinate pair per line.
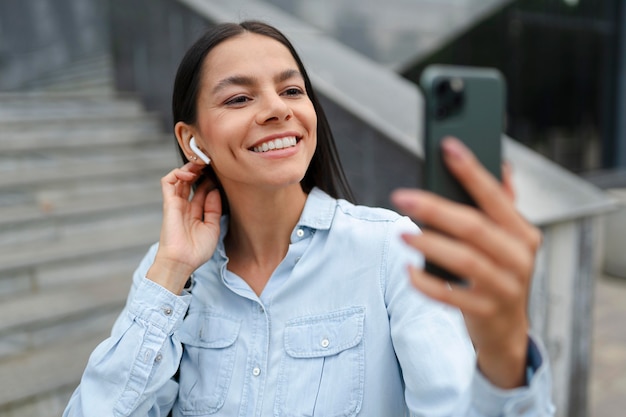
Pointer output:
x,y
208,330
324,335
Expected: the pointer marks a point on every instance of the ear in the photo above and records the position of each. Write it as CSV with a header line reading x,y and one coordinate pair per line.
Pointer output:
x,y
184,133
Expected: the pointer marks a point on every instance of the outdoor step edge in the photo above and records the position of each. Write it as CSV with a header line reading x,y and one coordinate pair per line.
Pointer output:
x,y
13,216
61,304
45,369
78,247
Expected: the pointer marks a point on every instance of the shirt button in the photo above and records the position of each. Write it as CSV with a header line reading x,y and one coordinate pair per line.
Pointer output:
x,y
261,309
158,358
256,371
167,311
299,232
325,343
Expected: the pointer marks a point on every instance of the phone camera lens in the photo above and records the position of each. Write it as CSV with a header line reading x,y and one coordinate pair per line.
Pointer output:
x,y
456,85
450,97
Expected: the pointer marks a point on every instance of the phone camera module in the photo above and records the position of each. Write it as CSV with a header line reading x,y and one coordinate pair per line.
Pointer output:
x,y
449,97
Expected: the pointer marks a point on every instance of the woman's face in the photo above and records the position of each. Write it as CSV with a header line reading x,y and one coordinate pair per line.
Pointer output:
x,y
255,120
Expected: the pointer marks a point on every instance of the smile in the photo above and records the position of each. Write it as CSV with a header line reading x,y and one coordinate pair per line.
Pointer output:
x,y
279,143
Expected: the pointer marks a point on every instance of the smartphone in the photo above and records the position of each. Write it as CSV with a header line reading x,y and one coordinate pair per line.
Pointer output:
x,y
467,103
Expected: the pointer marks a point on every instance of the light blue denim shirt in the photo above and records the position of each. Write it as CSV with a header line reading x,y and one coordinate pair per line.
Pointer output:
x,y
337,331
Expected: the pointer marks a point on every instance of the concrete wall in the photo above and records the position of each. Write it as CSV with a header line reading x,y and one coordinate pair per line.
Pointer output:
x,y
561,307
40,36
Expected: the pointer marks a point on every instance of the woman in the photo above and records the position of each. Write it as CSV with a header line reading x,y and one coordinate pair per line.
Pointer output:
x,y
300,303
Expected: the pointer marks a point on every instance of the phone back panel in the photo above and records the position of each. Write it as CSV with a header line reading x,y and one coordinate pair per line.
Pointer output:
x,y
477,120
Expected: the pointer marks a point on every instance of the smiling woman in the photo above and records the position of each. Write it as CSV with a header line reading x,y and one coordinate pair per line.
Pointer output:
x,y
253,96
300,302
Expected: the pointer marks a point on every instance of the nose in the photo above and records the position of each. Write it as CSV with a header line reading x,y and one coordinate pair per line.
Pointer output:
x,y
274,108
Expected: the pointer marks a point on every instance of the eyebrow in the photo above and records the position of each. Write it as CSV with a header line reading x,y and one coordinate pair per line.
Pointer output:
x,y
246,81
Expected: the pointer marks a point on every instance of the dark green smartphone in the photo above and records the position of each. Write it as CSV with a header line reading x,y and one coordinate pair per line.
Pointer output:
x,y
467,103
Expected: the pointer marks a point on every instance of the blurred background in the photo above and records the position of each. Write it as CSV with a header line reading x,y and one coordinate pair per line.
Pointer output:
x,y
85,135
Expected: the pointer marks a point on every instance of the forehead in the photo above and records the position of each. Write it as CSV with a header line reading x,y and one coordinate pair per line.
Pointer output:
x,y
247,54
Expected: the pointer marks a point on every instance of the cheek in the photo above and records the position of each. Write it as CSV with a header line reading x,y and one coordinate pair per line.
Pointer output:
x,y
310,120
217,131
312,115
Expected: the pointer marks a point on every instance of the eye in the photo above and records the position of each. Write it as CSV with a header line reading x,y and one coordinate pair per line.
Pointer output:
x,y
293,92
237,100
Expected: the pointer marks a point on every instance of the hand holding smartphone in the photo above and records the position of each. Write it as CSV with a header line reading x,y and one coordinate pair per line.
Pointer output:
x,y
466,103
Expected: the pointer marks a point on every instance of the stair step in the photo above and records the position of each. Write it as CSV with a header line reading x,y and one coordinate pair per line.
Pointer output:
x,y
50,198
125,133
64,106
52,233
104,86
51,368
82,74
88,65
50,404
22,98
44,195
108,235
49,276
28,320
53,218
39,169
58,205
70,120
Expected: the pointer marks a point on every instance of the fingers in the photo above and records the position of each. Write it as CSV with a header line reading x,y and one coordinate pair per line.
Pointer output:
x,y
487,192
467,225
179,181
475,304
480,270
206,202
197,201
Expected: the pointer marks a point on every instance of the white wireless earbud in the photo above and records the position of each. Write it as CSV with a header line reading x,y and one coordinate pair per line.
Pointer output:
x,y
197,151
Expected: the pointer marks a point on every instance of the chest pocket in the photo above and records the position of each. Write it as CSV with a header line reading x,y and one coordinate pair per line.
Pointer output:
x,y
322,371
207,362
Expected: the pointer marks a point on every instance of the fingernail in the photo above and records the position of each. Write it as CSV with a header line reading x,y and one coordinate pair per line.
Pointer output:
x,y
406,237
454,148
403,200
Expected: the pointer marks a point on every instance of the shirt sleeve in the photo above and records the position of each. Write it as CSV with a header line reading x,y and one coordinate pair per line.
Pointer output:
x,y
436,354
532,400
131,373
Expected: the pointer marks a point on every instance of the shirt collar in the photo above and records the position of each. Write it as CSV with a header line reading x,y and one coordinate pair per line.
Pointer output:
x,y
318,213
319,210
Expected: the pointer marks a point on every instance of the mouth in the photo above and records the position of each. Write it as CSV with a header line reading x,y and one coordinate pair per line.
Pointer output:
x,y
275,144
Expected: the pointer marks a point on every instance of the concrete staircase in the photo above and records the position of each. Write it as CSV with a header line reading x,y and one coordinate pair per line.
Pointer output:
x,y
80,204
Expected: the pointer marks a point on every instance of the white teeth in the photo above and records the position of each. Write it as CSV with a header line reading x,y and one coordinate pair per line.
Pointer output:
x,y
276,144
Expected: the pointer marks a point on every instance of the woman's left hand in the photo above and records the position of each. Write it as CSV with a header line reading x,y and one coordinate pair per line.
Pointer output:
x,y
492,247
